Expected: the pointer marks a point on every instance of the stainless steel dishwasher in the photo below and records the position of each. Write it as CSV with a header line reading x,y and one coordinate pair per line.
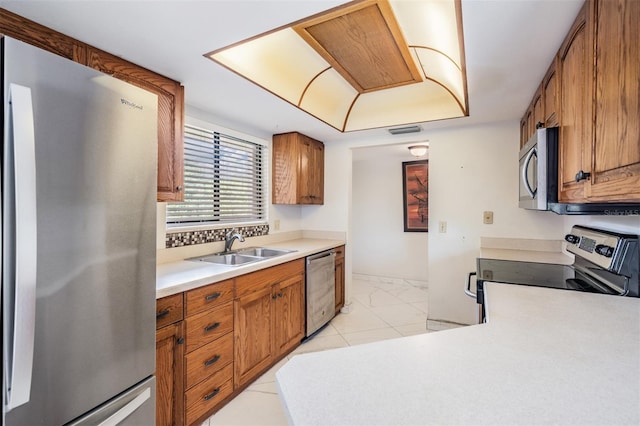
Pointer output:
x,y
321,290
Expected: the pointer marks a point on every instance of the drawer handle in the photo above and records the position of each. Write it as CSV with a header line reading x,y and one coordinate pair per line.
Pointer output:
x,y
162,314
212,394
211,361
212,327
213,296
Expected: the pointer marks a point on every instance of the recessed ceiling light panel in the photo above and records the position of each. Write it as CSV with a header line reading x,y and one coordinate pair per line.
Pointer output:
x,y
364,65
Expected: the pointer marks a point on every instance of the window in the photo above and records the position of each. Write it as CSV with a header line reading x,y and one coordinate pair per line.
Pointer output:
x,y
223,180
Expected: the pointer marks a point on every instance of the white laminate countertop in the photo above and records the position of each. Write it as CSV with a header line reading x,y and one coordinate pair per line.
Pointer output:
x,y
545,356
176,277
557,257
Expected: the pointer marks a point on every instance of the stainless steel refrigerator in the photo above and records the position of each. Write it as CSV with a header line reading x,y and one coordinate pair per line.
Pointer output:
x,y
78,243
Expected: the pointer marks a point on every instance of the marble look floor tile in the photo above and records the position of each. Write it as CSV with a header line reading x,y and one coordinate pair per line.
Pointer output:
x,y
368,336
251,408
412,295
359,319
265,387
412,329
400,314
424,285
423,306
377,297
435,325
329,330
320,343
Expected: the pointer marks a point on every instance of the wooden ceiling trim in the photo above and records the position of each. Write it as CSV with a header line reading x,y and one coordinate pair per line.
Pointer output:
x,y
463,107
348,114
437,51
364,43
309,85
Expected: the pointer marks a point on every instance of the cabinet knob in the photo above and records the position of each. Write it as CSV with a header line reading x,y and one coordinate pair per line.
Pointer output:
x,y
582,175
180,340
179,188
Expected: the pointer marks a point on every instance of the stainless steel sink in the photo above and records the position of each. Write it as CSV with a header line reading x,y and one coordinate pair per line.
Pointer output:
x,y
241,256
262,252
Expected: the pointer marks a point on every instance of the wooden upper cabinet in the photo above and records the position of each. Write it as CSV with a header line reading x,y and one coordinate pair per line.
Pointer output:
x,y
170,93
614,35
572,69
550,96
298,169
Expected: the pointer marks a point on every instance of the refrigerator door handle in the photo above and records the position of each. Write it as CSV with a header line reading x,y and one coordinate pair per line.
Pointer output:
x,y
117,417
24,310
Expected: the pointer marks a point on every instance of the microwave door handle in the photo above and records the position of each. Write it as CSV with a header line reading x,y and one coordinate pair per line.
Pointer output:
x,y
25,245
525,177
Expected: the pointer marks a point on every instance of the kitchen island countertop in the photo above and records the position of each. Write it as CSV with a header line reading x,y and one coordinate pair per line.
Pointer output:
x,y
184,275
545,356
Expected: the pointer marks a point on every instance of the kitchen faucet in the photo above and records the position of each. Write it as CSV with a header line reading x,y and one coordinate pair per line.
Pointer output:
x,y
230,237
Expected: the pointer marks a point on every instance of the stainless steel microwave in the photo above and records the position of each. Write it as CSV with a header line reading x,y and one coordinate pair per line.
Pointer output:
x,y
538,176
538,170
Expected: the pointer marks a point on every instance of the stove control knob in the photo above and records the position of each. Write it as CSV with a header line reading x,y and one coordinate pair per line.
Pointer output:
x,y
573,239
606,251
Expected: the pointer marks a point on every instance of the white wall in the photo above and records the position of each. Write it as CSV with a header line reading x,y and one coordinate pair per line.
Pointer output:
x,y
473,169
379,244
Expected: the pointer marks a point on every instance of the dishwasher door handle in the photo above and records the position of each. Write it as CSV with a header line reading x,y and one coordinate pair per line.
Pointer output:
x,y
467,290
317,257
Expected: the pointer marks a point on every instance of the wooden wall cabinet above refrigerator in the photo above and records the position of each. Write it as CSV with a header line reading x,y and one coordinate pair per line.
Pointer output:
x,y
298,169
591,92
170,92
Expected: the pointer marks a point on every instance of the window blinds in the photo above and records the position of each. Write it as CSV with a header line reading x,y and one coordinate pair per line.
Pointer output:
x,y
223,180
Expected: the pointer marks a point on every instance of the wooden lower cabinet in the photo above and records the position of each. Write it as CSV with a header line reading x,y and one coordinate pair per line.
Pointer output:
x,y
169,363
268,318
253,328
340,294
224,335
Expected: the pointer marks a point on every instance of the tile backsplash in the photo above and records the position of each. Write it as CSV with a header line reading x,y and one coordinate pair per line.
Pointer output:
x,y
187,238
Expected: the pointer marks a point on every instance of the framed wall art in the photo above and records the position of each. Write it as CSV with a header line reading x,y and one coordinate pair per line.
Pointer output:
x,y
415,189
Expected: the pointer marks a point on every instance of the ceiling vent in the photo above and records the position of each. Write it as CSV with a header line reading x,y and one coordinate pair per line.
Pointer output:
x,y
403,130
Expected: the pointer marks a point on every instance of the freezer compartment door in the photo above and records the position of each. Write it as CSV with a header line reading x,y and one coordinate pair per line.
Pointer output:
x,y
136,407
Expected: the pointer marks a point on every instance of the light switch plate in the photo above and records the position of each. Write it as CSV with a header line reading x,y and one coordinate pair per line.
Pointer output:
x,y
487,218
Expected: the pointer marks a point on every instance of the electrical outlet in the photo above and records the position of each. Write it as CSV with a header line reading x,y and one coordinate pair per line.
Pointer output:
x,y
442,227
487,218
276,224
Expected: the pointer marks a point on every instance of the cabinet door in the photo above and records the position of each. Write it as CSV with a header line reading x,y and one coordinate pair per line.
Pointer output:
x,y
550,96
289,313
170,117
615,145
253,335
573,112
311,177
537,108
169,379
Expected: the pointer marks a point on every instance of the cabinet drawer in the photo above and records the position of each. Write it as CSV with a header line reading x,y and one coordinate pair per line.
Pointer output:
x,y
208,359
203,298
256,281
204,396
207,326
168,310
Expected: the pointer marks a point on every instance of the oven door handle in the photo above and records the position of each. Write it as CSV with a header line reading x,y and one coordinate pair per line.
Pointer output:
x,y
467,290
